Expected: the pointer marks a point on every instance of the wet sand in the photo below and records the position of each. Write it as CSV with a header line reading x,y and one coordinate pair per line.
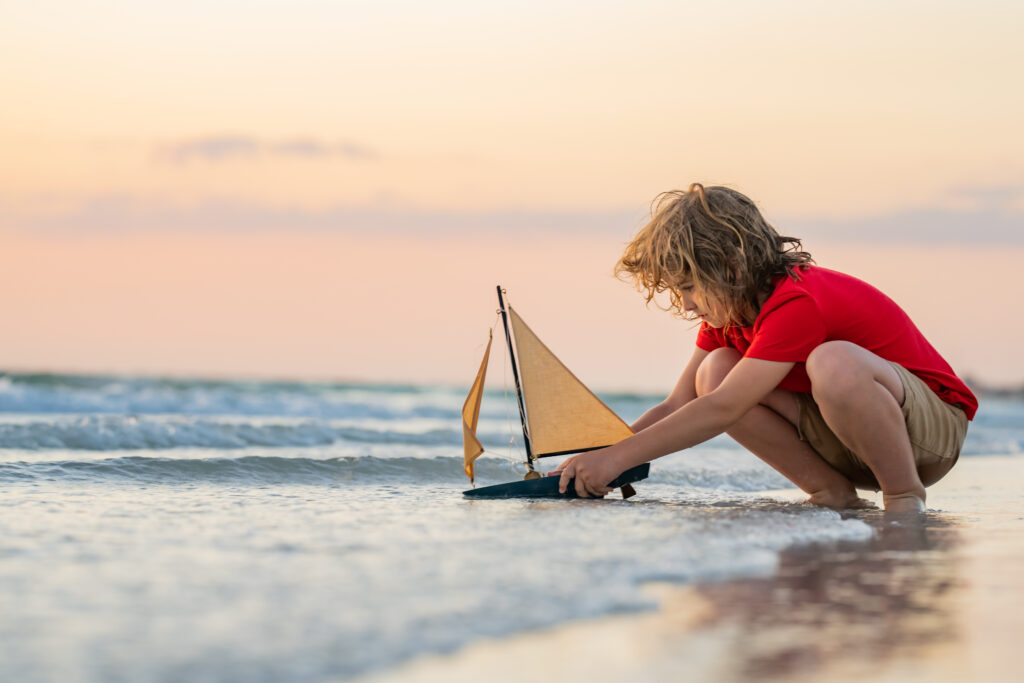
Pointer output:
x,y
938,597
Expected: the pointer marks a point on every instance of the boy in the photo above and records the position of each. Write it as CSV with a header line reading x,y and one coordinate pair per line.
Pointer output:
x,y
817,373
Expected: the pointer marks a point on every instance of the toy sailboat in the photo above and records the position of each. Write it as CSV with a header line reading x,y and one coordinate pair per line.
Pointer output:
x,y
559,415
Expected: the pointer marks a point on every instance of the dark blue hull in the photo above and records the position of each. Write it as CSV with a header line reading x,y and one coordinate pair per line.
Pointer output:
x,y
547,487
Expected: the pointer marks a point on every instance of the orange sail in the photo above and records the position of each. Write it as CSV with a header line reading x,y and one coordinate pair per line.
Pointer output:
x,y
471,415
562,414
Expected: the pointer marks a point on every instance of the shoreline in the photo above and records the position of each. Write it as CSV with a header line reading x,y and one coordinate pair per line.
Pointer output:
x,y
926,599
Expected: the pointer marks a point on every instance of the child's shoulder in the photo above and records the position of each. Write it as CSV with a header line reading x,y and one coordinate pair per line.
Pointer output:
x,y
817,281
813,289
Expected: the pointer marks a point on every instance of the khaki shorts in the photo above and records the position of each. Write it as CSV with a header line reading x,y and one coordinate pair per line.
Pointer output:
x,y
937,431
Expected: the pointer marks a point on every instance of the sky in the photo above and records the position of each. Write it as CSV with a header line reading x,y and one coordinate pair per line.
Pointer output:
x,y
331,190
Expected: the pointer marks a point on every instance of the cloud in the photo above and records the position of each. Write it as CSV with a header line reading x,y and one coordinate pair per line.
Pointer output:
x,y
233,147
967,214
980,225
983,225
129,213
991,196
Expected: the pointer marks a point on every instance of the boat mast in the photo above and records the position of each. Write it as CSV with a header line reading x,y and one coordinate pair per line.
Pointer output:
x,y
519,390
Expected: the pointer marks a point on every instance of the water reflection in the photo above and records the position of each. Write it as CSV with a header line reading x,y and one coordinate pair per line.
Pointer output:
x,y
857,603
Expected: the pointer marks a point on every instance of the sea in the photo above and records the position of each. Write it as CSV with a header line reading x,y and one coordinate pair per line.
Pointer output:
x,y
177,529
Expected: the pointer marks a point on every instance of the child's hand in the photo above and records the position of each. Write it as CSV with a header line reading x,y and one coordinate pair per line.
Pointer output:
x,y
561,466
592,471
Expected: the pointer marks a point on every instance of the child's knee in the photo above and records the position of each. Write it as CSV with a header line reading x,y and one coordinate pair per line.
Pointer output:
x,y
714,369
832,364
839,370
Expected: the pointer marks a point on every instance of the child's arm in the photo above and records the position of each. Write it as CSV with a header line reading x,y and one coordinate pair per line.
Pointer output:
x,y
684,392
693,423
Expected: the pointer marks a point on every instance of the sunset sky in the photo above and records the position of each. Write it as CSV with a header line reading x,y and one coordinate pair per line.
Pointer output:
x,y
331,189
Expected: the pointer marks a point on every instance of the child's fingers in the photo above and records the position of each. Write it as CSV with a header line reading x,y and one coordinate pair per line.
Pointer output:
x,y
581,488
566,475
562,465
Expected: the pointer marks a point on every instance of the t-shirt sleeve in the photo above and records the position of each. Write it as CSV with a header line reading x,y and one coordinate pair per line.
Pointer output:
x,y
709,338
789,331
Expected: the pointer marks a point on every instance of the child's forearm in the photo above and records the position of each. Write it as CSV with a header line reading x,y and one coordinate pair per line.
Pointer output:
x,y
655,414
684,392
659,413
695,422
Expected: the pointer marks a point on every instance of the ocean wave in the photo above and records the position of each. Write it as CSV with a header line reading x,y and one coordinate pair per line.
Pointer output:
x,y
261,469
993,443
23,393
352,469
144,396
115,432
756,477
720,463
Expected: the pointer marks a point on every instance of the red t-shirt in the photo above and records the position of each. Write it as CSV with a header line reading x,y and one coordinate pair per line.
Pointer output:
x,y
826,306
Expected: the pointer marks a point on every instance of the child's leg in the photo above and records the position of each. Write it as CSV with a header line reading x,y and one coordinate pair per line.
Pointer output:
x,y
860,395
769,431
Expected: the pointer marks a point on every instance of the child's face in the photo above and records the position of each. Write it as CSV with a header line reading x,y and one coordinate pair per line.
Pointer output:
x,y
705,305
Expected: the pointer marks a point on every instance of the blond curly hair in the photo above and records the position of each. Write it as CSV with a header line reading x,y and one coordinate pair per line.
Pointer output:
x,y
715,239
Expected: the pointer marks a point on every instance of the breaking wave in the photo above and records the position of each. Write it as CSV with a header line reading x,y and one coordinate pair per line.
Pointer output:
x,y
132,432
23,393
112,433
367,469
251,469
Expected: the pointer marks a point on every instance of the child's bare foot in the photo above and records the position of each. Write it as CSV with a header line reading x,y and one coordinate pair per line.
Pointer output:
x,y
903,502
839,500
